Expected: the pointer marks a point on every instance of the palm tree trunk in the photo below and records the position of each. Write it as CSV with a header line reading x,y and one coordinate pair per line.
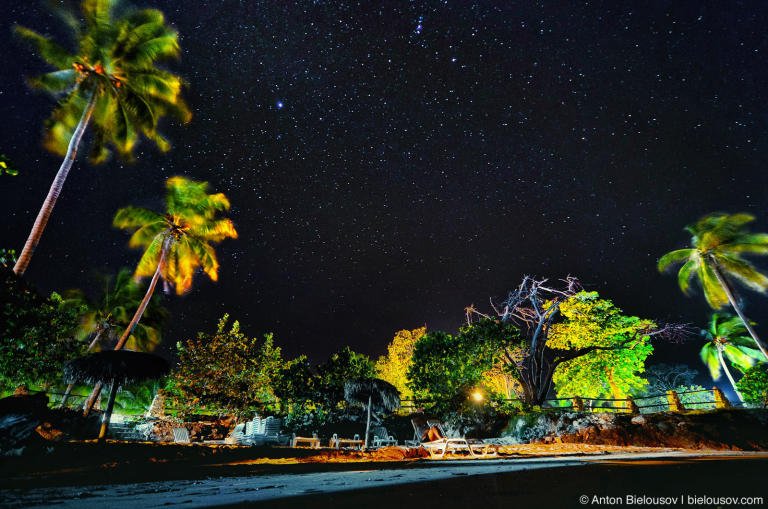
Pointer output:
x,y
53,193
727,289
728,373
88,405
368,422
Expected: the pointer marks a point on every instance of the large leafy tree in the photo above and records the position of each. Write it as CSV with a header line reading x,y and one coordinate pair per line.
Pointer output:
x,y
716,259
727,339
446,368
108,81
37,334
393,367
615,369
754,385
228,369
331,375
176,243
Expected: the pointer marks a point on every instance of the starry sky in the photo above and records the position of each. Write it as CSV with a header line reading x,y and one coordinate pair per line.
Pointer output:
x,y
390,163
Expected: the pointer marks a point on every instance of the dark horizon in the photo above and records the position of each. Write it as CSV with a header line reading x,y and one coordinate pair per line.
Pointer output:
x,y
390,165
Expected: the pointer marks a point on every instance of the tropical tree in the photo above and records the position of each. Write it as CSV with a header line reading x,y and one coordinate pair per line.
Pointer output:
x,y
393,367
727,338
716,258
176,243
373,394
754,385
106,318
110,82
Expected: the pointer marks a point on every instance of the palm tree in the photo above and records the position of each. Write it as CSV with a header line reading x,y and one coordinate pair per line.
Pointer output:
x,y
105,320
375,395
727,338
719,243
175,243
110,82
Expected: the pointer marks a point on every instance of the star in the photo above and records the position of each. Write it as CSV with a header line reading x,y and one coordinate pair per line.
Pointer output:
x,y
279,105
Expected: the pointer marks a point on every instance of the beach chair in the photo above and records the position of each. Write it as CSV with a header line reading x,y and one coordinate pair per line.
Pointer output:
x,y
181,436
338,443
381,438
442,445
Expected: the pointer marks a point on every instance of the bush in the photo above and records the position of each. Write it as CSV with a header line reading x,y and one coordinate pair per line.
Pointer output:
x,y
754,385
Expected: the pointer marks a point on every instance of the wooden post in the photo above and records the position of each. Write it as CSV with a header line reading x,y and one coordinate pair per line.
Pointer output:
x,y
673,400
578,404
720,400
633,408
108,413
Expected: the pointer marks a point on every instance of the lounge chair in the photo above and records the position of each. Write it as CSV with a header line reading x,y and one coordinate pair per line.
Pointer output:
x,y
312,442
338,443
438,448
381,438
181,436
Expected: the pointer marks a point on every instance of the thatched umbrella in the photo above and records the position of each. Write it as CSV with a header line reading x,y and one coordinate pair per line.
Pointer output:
x,y
118,367
372,393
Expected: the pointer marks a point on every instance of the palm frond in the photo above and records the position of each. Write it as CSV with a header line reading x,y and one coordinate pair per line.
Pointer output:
x,y
49,51
673,257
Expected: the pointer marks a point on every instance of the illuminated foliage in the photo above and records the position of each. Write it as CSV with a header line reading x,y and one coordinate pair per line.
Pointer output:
x,y
727,340
446,368
393,367
719,243
754,385
227,370
613,370
187,231
37,334
115,62
7,168
106,318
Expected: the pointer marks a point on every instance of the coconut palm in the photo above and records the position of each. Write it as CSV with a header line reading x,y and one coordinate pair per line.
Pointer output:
x,y
109,82
375,395
176,243
716,258
727,338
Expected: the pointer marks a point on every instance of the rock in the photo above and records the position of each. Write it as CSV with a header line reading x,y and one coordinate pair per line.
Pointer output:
x,y
638,419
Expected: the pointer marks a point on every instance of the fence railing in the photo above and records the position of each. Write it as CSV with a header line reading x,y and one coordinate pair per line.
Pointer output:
x,y
670,401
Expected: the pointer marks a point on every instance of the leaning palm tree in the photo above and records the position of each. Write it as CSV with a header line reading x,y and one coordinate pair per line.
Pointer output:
x,y
109,82
726,338
719,243
176,243
104,320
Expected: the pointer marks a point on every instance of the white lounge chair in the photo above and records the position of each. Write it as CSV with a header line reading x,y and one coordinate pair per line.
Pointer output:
x,y
444,445
181,436
381,438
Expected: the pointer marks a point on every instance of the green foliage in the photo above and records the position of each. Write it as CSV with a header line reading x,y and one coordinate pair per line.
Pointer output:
x,y
37,334
727,337
7,258
393,367
227,370
446,368
719,243
115,62
754,385
189,227
612,370
6,167
340,367
106,317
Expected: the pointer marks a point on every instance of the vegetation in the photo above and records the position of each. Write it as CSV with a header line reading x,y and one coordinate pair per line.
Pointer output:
x,y
727,339
227,370
110,81
614,369
754,385
37,334
719,243
393,367
175,243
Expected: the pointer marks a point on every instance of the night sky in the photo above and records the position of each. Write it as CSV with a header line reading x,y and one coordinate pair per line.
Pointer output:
x,y
390,163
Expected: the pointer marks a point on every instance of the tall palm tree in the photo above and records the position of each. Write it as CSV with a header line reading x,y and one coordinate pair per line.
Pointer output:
x,y
110,82
176,244
719,243
726,338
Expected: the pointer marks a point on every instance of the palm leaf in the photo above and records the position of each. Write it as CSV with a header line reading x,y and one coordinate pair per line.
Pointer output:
x,y
673,257
710,358
52,53
744,271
